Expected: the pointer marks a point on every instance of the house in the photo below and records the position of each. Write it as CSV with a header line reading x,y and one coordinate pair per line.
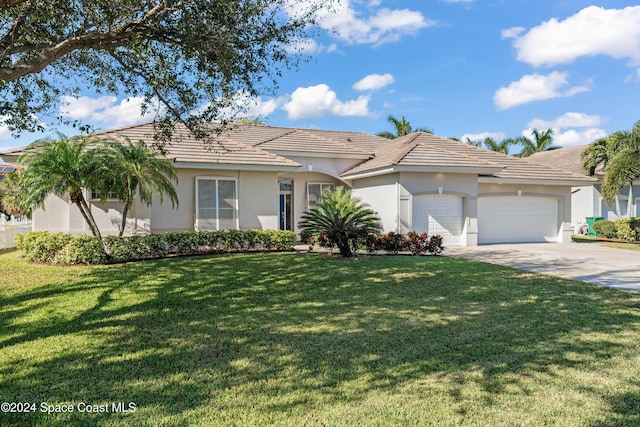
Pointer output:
x,y
264,177
586,199
5,170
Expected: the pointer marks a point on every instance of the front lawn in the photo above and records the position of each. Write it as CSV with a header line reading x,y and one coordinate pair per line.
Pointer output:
x,y
611,244
311,340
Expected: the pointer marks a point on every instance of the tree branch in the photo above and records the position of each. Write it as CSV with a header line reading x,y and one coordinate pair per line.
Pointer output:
x,y
8,4
49,53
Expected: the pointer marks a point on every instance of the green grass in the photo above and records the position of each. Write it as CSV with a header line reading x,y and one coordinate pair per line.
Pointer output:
x,y
311,340
594,240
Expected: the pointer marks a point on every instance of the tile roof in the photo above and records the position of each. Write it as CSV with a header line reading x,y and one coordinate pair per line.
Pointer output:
x,y
423,149
185,148
569,159
305,140
266,146
415,150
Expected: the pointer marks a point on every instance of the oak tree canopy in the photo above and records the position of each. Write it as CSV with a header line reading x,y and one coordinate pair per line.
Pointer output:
x,y
188,56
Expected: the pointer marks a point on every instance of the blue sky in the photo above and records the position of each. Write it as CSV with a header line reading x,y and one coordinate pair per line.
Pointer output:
x,y
463,68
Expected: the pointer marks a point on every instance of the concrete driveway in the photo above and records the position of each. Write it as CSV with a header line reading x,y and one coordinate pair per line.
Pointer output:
x,y
591,263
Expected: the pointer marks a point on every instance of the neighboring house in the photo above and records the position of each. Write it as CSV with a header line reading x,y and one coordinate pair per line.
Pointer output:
x,y
265,177
5,170
586,200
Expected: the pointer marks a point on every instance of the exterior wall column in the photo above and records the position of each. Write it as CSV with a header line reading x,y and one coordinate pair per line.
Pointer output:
x,y
470,214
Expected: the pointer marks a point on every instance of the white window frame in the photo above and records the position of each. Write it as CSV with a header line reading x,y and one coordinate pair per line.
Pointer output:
x,y
322,189
113,197
217,213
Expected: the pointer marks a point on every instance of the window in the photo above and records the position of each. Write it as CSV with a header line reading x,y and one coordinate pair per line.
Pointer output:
x,y
216,204
315,191
112,196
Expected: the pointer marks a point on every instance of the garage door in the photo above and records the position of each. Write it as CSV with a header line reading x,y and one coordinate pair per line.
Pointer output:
x,y
517,220
439,215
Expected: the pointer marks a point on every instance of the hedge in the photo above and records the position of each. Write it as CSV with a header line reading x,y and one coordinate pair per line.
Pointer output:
x,y
60,248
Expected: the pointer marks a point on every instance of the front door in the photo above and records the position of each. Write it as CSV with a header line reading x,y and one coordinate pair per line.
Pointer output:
x,y
286,222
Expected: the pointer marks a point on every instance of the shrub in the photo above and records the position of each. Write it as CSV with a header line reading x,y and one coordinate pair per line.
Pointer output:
x,y
134,248
41,246
343,220
282,240
627,229
605,228
183,243
82,250
392,242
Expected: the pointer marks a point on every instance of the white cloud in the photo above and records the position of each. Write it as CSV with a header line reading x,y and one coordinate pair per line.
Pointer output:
x,y
592,31
5,133
536,87
360,27
586,133
104,109
374,82
567,120
320,100
498,136
257,107
574,137
512,33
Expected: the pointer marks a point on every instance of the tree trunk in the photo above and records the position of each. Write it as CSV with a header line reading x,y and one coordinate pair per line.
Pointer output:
x,y
125,212
630,201
88,216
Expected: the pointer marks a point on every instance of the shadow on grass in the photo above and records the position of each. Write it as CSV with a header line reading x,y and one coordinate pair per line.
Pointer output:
x,y
186,339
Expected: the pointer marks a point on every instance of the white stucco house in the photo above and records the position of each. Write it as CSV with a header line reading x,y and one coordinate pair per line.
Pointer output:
x,y
586,199
264,177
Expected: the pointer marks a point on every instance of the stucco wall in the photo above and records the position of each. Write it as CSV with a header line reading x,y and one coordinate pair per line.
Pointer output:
x,y
258,202
382,194
55,215
258,205
583,204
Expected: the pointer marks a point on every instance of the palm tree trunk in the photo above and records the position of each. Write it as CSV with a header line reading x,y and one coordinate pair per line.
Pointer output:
x,y
618,214
125,212
88,216
630,201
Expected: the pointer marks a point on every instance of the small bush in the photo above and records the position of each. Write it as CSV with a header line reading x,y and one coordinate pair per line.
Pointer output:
x,y
605,228
82,250
183,243
135,248
42,246
627,229
393,243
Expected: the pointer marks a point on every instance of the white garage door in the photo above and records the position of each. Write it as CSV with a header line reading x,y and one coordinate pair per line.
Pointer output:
x,y
439,215
517,220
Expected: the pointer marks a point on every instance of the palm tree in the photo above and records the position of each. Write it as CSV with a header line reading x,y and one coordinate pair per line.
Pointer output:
x,y
138,170
499,147
542,141
345,221
402,128
64,166
619,154
12,196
